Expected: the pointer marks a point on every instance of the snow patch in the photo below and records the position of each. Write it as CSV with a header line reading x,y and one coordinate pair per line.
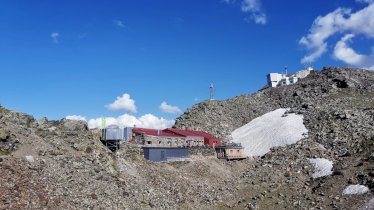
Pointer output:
x,y
270,130
322,167
355,190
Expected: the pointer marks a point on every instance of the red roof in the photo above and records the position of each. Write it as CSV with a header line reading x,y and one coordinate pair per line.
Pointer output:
x,y
174,132
153,132
190,133
208,138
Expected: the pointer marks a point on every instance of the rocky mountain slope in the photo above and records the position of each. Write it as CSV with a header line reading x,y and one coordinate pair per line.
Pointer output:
x,y
338,109
62,165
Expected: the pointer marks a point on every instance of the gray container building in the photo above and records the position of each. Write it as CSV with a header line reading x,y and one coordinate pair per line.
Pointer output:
x,y
161,154
116,134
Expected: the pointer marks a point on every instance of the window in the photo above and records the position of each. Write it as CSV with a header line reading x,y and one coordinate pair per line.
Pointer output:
x,y
149,142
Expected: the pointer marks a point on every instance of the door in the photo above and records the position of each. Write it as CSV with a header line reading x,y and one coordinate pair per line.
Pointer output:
x,y
163,158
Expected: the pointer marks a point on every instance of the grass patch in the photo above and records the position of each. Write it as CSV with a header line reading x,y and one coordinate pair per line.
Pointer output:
x,y
4,152
355,100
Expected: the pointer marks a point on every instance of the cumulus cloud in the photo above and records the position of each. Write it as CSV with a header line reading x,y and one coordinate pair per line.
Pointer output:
x,y
252,7
126,120
55,36
165,107
123,102
76,117
341,21
118,23
343,52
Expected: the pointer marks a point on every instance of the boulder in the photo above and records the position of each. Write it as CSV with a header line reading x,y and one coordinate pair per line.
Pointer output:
x,y
4,134
74,125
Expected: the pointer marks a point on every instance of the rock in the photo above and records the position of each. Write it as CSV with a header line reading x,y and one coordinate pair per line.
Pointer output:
x,y
74,125
4,135
29,158
369,205
43,121
337,173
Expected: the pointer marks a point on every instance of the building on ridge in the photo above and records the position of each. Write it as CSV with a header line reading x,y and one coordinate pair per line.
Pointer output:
x,y
277,79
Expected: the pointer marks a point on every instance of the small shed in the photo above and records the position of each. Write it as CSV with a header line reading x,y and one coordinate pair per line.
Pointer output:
x,y
162,154
233,151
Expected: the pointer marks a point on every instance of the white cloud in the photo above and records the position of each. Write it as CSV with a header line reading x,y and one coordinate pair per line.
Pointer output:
x,y
76,117
165,107
119,23
254,7
55,36
322,28
251,5
126,120
344,53
341,21
123,102
151,121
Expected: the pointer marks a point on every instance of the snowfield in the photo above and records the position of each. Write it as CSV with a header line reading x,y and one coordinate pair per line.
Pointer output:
x,y
269,130
322,167
355,190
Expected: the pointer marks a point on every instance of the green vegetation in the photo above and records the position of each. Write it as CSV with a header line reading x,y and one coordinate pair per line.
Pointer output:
x,y
4,152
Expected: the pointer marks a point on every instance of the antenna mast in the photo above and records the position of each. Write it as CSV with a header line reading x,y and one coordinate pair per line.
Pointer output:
x,y
211,91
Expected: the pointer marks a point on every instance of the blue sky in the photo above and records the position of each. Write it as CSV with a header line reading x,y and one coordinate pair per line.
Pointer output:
x,y
75,57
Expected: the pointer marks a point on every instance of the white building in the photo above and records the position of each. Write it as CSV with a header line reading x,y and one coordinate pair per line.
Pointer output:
x,y
276,79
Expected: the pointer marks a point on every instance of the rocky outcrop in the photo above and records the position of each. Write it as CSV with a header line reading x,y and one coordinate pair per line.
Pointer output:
x,y
338,109
321,90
